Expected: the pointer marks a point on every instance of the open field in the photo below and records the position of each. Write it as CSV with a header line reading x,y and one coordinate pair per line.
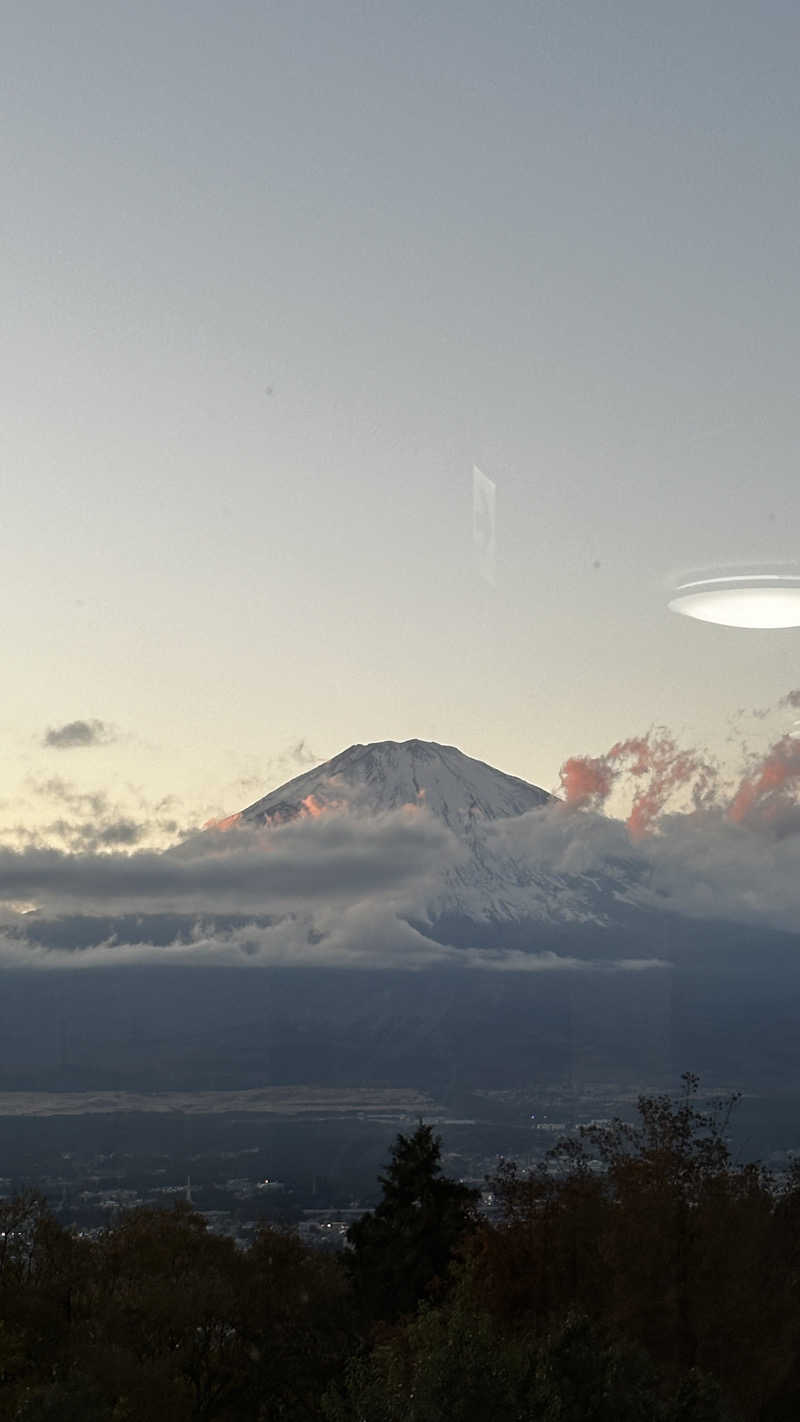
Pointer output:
x,y
267,1100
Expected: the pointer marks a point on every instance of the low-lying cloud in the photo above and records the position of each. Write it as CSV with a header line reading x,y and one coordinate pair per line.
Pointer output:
x,y
337,858
341,886
366,935
701,865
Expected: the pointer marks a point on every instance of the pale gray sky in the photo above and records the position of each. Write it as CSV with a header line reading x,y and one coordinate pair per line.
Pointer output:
x,y
556,240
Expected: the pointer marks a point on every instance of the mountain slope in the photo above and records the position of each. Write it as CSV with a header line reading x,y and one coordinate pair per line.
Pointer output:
x,y
387,774
492,885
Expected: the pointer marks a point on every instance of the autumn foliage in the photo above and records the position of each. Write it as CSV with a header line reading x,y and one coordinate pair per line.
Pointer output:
x,y
637,1276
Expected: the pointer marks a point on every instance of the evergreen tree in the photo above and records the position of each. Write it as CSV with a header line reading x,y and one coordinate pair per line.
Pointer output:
x,y
402,1249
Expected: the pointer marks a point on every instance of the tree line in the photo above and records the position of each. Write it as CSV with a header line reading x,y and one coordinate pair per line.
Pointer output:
x,y
637,1275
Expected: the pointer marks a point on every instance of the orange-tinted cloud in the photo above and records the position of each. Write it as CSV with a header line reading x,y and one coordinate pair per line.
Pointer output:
x,y
770,784
587,781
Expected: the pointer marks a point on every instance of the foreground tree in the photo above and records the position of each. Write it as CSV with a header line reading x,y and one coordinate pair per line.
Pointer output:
x,y
297,1325
651,1231
160,1331
451,1363
402,1249
44,1275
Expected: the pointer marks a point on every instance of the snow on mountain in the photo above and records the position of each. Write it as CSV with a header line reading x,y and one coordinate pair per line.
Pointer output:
x,y
387,774
468,796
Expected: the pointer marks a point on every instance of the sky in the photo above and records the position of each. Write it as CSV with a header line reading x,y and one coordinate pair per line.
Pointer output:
x,y
275,277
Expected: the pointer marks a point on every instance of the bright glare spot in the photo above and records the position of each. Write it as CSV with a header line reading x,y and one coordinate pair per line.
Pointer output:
x,y
773,604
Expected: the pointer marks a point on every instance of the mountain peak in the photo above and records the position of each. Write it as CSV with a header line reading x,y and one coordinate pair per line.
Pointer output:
x,y
383,775
496,880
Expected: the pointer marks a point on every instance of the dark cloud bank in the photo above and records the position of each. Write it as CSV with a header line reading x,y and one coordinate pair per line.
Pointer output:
x,y
346,888
303,953
123,976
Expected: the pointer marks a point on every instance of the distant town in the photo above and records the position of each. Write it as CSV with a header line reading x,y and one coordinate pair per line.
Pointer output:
x,y
301,1164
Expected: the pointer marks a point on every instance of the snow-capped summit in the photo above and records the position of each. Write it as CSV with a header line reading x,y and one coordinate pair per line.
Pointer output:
x,y
387,774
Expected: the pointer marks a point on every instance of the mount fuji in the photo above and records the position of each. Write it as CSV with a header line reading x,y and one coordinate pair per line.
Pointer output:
x,y
388,774
495,882
613,986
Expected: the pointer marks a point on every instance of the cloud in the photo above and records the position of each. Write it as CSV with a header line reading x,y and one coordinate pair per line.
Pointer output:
x,y
732,854
789,702
86,837
768,788
301,753
93,802
654,767
272,772
658,766
343,871
337,887
256,778
714,868
333,858
555,839
94,822
701,864
368,936
76,734
90,820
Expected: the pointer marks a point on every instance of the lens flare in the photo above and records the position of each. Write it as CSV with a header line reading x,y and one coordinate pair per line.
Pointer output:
x,y
741,599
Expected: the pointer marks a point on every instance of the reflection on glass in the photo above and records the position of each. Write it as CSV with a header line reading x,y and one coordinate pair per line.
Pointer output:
x,y
756,599
483,523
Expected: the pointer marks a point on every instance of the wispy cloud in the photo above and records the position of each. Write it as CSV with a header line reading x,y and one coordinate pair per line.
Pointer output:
x,y
93,821
266,775
77,818
65,792
655,768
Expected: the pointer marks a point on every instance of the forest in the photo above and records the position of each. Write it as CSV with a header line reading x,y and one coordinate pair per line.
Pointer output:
x,y
638,1274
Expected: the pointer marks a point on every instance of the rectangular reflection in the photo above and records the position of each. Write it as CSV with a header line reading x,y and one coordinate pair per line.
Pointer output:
x,y
483,523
